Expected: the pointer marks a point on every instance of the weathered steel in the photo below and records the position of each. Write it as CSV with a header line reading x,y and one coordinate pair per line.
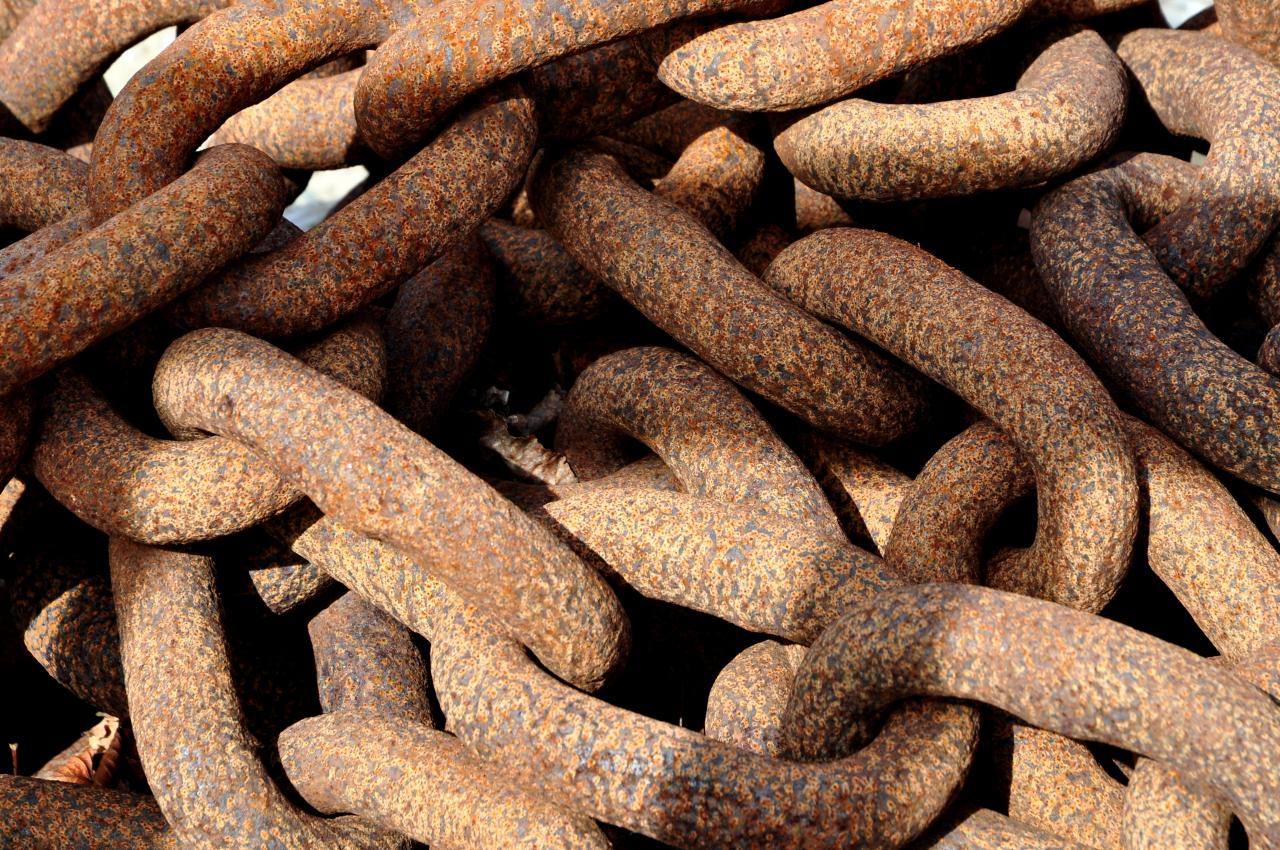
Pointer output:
x,y
639,245
361,466
1108,683
1068,107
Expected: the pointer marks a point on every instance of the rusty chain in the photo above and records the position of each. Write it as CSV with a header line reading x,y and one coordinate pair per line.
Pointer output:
x,y
720,423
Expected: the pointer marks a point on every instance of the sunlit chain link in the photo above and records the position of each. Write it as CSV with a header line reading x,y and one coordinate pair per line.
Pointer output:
x,y
710,423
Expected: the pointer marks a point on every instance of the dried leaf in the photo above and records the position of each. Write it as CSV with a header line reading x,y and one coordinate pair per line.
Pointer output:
x,y
543,413
524,455
92,760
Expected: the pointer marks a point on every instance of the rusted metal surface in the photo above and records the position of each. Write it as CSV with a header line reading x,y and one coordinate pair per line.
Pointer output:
x,y
199,759
718,164
748,698
381,238
772,65
42,813
596,90
816,211
424,71
1161,810
62,604
74,126
1057,785
1010,270
759,248
365,660
707,797
15,423
435,331
1259,669
61,44
282,582
578,629
764,573
642,163
1252,23
425,784
719,309
311,122
1206,87
648,473
942,523
715,176
43,185
163,492
684,788
984,829
206,76
46,196
1009,366
865,492
1133,321
707,433
541,282
1109,683
1268,356
362,564
1067,108
308,124
11,12
44,241
137,261
363,638
1206,549
1199,541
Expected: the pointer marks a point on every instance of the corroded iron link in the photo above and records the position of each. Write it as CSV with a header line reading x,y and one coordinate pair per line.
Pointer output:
x,y
1138,327
580,631
1068,107
719,310
1206,87
199,759
1170,695
39,73
420,74
1009,366
700,427
165,492
381,238
136,261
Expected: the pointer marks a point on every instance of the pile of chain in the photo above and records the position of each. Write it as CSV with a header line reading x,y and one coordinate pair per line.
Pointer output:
x,y
714,424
